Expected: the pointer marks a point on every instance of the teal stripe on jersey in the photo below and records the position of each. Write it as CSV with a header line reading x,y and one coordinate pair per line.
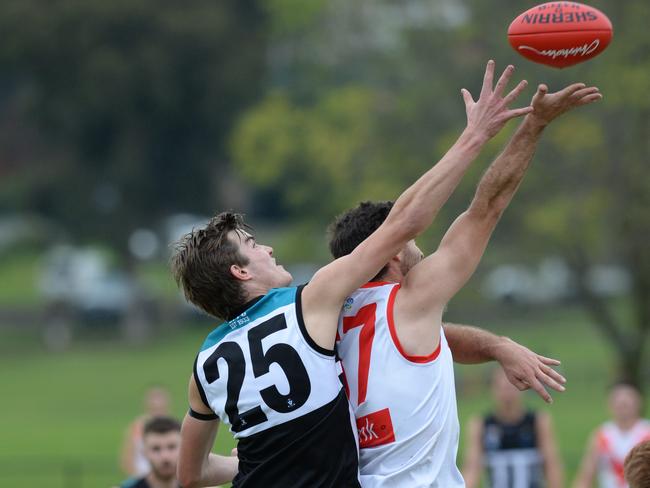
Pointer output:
x,y
275,298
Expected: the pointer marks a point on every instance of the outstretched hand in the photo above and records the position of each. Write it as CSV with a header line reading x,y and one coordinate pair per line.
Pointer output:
x,y
526,369
490,112
549,106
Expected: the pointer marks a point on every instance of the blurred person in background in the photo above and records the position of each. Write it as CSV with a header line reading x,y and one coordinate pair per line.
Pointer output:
x,y
133,460
161,441
637,466
516,446
613,440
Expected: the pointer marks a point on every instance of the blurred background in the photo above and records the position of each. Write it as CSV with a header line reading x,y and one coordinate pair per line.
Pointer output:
x,y
123,124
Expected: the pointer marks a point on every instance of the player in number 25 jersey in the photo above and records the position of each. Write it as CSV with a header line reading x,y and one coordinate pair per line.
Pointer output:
x,y
269,370
281,394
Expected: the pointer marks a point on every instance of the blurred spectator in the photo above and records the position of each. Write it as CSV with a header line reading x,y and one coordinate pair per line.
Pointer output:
x,y
161,440
133,459
637,466
516,446
613,440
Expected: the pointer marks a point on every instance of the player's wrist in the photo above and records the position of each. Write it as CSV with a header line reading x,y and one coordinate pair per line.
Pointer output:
x,y
473,139
535,122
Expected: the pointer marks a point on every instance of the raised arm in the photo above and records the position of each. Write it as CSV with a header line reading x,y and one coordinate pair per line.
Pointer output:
x,y
431,283
471,345
413,211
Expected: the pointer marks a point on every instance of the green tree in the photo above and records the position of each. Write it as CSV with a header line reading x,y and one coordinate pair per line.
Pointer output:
x,y
379,84
117,111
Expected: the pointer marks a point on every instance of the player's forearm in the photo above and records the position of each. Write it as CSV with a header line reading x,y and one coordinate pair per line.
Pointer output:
x,y
471,345
220,469
215,470
500,182
419,204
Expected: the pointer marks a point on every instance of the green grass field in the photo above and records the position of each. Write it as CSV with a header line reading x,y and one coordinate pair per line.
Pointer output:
x,y
63,415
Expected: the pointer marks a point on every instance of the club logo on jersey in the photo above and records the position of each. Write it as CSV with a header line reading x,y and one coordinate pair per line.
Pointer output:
x,y
375,429
348,303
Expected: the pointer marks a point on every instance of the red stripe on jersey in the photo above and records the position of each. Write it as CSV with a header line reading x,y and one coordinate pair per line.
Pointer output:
x,y
393,333
375,429
373,284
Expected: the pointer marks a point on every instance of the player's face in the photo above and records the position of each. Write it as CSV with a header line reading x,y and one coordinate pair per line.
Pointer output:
x,y
261,263
410,256
157,402
504,392
161,450
625,403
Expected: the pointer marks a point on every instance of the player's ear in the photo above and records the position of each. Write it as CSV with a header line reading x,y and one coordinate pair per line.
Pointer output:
x,y
240,272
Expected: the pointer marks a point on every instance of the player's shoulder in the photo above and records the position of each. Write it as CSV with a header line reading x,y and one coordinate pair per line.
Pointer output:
x,y
261,306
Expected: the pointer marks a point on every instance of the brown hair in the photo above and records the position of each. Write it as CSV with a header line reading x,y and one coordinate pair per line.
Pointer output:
x,y
637,466
354,226
201,265
161,425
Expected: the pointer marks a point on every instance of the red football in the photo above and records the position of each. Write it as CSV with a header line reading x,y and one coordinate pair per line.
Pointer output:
x,y
560,34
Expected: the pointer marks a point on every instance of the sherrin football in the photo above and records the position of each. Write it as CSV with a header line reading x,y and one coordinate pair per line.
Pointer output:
x,y
560,34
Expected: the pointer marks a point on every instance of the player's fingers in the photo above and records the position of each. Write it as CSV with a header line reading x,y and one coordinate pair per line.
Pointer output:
x,y
551,382
584,92
504,80
488,78
549,361
467,97
542,90
553,374
571,89
520,384
516,91
590,98
517,112
540,390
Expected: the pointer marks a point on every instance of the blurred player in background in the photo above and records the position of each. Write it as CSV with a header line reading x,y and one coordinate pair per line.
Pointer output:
x,y
161,441
516,445
133,460
270,370
395,355
612,441
637,466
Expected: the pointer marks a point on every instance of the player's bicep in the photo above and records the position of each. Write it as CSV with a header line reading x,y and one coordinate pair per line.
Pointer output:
x,y
437,278
334,282
198,434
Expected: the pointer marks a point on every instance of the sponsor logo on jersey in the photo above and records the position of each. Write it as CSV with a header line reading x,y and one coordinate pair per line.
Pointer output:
x,y
348,303
375,429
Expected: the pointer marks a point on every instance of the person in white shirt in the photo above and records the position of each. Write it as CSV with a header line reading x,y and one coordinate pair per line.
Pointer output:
x,y
613,440
395,356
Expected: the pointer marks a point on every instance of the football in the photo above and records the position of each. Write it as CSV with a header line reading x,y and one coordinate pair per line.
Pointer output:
x,y
560,34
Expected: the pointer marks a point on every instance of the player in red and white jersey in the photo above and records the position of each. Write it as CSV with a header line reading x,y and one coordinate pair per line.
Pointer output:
x,y
411,396
394,353
612,441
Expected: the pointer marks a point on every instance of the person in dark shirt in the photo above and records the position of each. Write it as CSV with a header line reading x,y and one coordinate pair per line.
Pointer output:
x,y
516,446
161,438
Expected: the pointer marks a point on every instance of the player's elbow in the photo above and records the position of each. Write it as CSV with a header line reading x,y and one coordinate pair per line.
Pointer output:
x,y
488,210
188,478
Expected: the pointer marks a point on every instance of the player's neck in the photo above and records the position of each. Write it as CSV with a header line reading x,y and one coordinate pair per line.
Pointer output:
x,y
155,482
626,424
510,413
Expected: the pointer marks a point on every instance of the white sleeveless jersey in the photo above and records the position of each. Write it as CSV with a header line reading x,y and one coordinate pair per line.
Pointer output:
x,y
613,445
405,406
281,394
